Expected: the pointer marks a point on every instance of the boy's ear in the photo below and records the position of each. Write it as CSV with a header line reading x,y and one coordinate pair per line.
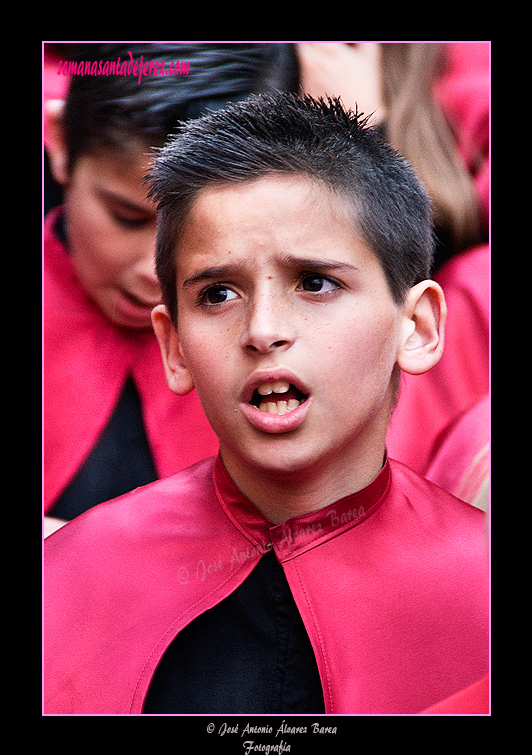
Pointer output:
x,y
424,318
54,139
177,375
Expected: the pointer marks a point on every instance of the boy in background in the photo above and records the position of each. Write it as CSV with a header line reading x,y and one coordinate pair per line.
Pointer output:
x,y
110,423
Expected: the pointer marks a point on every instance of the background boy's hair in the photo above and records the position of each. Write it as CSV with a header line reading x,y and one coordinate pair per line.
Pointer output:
x,y
285,134
108,112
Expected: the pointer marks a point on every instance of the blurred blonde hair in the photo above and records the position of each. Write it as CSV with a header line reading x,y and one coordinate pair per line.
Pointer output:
x,y
474,485
418,129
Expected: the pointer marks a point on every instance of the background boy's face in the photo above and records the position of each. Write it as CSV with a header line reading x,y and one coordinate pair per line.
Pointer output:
x,y
276,289
111,235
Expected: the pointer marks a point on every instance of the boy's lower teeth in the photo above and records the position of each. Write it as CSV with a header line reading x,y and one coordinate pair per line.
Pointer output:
x,y
279,407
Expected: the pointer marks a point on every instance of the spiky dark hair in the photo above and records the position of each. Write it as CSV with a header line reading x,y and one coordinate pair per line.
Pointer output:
x,y
282,133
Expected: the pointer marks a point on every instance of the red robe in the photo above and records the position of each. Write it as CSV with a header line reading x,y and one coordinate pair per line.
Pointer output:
x,y
461,462
391,583
473,701
86,362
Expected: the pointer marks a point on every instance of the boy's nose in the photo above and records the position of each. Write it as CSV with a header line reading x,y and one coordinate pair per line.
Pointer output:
x,y
268,328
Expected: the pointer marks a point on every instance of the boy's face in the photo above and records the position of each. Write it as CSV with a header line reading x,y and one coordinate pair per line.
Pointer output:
x,y
287,327
111,235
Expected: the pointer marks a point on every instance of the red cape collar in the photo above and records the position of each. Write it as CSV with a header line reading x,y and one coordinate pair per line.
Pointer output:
x,y
302,532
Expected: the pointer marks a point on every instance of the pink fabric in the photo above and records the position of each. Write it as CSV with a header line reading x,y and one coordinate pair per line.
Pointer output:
x,y
391,583
429,402
86,362
463,92
461,461
475,700
54,85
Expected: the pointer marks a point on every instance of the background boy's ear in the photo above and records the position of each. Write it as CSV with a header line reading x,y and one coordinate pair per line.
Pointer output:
x,y
177,375
54,140
424,318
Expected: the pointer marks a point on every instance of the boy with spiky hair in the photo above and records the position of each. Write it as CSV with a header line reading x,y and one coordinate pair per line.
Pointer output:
x,y
300,570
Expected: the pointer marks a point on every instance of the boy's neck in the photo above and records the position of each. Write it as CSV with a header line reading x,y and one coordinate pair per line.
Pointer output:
x,y
280,497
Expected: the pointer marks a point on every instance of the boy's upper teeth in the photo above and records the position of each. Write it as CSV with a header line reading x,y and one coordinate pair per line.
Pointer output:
x,y
278,386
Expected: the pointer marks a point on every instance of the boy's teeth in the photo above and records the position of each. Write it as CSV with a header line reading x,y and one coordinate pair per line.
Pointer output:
x,y
279,386
273,401
279,407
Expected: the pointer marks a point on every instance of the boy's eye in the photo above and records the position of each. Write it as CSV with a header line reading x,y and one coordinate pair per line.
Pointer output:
x,y
218,294
317,284
128,217
130,222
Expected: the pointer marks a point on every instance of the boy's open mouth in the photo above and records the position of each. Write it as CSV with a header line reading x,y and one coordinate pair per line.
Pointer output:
x,y
278,397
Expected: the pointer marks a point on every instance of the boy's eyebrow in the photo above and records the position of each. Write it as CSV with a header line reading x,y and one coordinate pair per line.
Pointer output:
x,y
306,263
312,263
218,271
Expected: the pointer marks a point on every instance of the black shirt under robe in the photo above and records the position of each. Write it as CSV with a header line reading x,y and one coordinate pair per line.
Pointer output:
x,y
248,654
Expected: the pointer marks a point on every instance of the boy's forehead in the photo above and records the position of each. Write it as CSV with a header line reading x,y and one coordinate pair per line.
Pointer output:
x,y
286,214
117,173
301,190
276,203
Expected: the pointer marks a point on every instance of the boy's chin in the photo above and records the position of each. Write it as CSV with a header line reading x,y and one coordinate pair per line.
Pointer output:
x,y
280,461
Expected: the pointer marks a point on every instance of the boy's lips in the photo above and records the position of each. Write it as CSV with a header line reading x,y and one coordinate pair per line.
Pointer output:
x,y
275,401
